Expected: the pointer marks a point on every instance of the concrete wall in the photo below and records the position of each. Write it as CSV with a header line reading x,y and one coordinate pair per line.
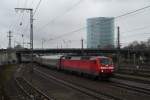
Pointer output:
x,y
6,57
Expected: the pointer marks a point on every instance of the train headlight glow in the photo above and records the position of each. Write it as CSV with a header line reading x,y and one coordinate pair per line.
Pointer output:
x,y
102,71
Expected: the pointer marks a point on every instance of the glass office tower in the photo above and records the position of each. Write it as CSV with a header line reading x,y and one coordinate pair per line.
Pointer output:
x,y
100,32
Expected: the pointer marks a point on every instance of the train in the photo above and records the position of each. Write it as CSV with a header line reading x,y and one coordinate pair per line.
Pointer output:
x,y
97,66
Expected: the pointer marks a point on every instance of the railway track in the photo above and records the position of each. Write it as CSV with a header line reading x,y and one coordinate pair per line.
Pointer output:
x,y
30,92
88,91
133,71
123,88
136,78
130,87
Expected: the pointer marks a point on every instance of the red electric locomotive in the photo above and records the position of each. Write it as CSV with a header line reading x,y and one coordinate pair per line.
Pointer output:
x,y
93,65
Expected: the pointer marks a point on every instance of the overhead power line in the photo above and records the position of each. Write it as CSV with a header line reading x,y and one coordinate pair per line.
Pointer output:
x,y
133,11
68,33
21,19
141,28
135,35
103,21
61,15
37,6
25,22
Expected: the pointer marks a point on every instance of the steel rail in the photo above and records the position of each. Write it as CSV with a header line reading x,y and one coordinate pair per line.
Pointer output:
x,y
31,92
130,77
22,89
85,90
130,87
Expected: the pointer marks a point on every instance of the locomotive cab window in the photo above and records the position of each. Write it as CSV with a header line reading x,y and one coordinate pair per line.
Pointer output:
x,y
105,61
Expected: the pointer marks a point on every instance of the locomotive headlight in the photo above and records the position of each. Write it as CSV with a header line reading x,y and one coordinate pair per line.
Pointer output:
x,y
102,71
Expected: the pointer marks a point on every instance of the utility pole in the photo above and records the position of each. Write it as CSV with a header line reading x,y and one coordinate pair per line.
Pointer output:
x,y
82,43
43,40
31,28
118,36
82,46
9,46
118,46
31,34
22,40
42,43
9,37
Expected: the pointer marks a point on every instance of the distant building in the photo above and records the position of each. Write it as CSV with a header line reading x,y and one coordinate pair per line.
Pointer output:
x,y
100,32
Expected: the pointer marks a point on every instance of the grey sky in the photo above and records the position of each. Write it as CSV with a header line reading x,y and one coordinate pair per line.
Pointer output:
x,y
75,18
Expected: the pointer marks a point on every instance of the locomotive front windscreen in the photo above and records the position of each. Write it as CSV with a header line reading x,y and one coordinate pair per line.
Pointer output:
x,y
105,61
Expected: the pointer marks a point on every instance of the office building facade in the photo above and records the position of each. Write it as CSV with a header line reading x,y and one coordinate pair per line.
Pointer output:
x,y
100,32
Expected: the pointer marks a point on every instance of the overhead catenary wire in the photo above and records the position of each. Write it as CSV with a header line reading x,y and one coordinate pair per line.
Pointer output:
x,y
21,19
67,33
25,23
19,27
61,15
140,28
145,35
13,25
130,42
37,6
97,23
135,35
79,40
133,11
77,30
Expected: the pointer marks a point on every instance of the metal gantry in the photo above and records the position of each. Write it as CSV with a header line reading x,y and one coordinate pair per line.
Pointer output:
x,y
31,33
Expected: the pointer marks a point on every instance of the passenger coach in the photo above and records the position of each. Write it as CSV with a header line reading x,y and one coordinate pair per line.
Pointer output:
x,y
91,65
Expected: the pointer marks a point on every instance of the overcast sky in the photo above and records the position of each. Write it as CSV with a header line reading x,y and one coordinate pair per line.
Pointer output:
x,y
54,18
